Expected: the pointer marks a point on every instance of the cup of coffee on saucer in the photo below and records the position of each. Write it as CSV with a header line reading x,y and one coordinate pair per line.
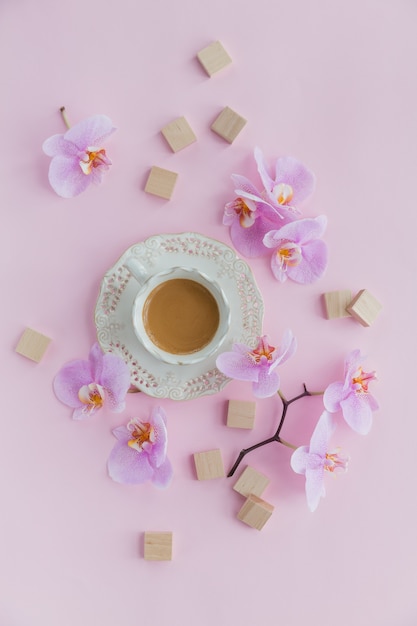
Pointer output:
x,y
180,315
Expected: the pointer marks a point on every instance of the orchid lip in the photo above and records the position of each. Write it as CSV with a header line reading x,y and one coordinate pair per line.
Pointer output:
x,y
92,395
288,254
93,157
143,435
334,462
263,351
283,193
361,380
243,211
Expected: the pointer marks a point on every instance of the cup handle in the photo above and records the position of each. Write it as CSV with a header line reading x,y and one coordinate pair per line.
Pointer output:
x,y
137,270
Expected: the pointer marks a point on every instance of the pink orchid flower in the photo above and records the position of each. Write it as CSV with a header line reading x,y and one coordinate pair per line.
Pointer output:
x,y
78,156
291,184
140,452
352,396
298,254
86,386
314,460
258,365
249,218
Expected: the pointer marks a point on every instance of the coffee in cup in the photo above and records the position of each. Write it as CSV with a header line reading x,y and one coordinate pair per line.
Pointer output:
x,y
180,315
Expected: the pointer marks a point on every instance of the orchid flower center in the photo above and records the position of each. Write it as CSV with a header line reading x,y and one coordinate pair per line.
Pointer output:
x,y
361,380
334,462
93,396
283,193
244,211
93,157
142,435
288,254
262,352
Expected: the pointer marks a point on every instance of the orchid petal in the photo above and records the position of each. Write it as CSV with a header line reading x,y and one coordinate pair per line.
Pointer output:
x,y
299,459
243,183
300,231
69,381
286,349
96,358
267,384
237,366
290,171
66,177
248,241
312,265
90,132
277,269
322,433
352,363
126,465
315,487
157,453
357,413
267,181
333,395
115,378
57,145
163,475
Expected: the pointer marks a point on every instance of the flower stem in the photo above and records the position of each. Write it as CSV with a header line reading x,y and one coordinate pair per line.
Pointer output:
x,y
64,117
276,437
286,443
244,452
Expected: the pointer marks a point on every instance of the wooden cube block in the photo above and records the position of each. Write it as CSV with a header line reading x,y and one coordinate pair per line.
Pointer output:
x,y
213,58
336,302
364,308
157,546
32,345
161,182
179,134
251,482
209,464
228,124
241,414
255,512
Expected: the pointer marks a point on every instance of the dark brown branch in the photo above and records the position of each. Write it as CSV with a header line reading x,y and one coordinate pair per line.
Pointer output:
x,y
285,404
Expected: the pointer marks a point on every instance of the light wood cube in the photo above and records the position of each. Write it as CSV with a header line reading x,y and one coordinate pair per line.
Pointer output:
x,y
209,464
364,308
228,124
158,546
336,302
255,512
213,58
241,414
179,134
32,345
251,482
161,182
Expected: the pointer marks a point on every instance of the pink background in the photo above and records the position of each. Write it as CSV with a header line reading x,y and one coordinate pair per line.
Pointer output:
x,y
330,82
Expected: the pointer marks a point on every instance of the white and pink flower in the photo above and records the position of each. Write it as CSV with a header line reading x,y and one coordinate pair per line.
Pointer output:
x,y
298,253
78,156
352,395
140,453
258,365
87,386
314,460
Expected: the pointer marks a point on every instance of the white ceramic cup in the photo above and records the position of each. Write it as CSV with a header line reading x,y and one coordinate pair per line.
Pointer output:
x,y
148,283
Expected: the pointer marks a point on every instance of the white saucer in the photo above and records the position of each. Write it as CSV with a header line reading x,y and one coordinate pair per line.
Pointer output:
x,y
113,313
